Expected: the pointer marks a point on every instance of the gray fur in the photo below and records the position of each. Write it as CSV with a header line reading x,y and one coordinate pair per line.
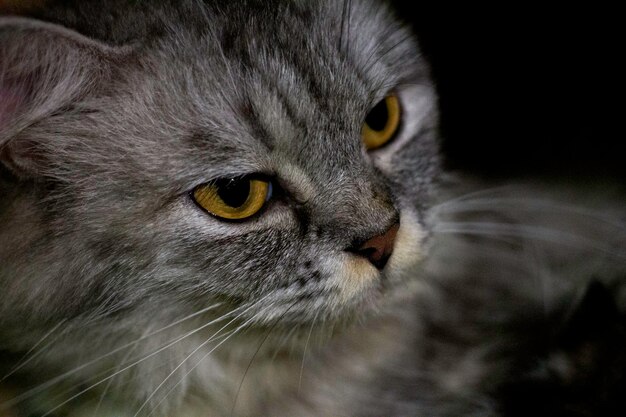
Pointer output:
x,y
120,108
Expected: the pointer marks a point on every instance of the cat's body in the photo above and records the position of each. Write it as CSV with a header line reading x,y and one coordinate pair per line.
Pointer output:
x,y
122,296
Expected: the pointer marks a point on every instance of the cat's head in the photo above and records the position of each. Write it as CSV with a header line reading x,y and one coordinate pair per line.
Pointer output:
x,y
274,158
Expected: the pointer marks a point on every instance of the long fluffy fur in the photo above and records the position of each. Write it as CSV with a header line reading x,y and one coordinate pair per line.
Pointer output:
x,y
120,296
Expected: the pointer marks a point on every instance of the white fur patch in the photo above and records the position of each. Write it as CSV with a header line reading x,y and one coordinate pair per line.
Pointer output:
x,y
298,180
408,249
356,275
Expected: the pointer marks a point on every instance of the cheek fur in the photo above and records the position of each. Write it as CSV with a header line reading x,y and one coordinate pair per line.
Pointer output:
x,y
355,277
409,246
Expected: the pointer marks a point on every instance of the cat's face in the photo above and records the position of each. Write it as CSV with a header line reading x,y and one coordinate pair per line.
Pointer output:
x,y
111,157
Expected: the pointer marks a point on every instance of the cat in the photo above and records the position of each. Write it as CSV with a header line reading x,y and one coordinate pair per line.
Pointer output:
x,y
240,208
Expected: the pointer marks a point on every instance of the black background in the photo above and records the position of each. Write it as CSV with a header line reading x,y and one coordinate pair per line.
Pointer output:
x,y
529,91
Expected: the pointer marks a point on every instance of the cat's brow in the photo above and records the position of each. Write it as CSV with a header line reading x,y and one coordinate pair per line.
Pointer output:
x,y
261,132
273,120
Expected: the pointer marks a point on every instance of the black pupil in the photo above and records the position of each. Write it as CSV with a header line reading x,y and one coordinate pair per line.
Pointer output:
x,y
378,116
234,192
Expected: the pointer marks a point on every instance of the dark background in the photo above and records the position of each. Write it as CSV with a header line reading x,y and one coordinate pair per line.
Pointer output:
x,y
529,91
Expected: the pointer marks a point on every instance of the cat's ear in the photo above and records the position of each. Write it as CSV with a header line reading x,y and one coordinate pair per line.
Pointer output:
x,y
43,69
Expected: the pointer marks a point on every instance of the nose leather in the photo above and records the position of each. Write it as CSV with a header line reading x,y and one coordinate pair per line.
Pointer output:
x,y
379,248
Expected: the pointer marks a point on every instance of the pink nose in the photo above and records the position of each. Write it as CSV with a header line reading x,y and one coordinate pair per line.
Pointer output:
x,y
378,249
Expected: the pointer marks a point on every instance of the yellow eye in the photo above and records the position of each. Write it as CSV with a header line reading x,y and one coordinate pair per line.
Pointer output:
x,y
381,122
233,198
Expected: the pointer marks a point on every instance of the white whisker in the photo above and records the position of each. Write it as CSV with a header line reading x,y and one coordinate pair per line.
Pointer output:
x,y
27,358
306,345
106,388
42,387
139,361
541,233
469,196
526,205
231,334
256,352
210,339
